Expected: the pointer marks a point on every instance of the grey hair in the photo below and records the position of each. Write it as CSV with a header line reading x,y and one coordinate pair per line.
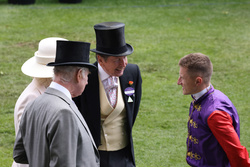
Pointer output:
x,y
67,73
105,57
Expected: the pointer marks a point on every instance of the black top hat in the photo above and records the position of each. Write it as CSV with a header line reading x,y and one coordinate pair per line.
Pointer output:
x,y
72,53
110,39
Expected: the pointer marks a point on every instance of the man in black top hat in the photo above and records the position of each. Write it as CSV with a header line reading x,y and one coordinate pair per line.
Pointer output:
x,y
110,102
52,130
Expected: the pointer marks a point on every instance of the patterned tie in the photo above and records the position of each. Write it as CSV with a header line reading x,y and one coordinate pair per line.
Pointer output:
x,y
110,85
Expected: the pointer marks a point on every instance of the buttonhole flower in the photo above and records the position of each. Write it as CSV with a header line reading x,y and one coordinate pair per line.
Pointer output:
x,y
130,83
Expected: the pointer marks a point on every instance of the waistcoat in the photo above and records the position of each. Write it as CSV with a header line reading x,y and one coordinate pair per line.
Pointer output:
x,y
113,122
203,150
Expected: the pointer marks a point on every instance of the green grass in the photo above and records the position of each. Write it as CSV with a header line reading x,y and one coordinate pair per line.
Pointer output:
x,y
161,32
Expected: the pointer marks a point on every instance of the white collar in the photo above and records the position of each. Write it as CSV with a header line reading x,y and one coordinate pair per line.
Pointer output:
x,y
103,75
61,89
196,96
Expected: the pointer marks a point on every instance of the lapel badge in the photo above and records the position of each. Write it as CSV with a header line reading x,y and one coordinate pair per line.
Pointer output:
x,y
129,91
130,100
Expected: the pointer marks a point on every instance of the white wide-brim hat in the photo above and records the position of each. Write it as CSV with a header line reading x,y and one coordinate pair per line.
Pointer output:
x,y
36,66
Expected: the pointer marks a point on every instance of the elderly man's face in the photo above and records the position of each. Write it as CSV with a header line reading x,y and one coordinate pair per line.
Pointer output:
x,y
113,65
81,82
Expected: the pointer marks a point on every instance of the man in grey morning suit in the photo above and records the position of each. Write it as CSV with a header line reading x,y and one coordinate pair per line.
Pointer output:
x,y
52,130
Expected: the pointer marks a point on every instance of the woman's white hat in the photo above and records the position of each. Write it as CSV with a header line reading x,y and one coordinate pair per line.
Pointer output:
x,y
36,66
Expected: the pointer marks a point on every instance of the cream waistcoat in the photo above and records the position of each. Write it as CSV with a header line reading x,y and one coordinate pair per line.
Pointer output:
x,y
113,122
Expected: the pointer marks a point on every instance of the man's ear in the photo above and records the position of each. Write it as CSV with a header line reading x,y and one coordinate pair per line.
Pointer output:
x,y
99,58
78,75
198,81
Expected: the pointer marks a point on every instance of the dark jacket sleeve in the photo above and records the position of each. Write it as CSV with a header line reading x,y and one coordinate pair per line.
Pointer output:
x,y
19,153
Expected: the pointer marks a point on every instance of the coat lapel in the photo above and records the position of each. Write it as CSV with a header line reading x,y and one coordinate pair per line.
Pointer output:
x,y
124,85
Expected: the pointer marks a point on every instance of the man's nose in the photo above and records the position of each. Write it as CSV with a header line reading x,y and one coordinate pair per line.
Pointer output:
x,y
179,81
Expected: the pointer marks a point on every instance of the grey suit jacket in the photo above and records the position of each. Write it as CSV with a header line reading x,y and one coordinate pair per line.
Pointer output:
x,y
54,133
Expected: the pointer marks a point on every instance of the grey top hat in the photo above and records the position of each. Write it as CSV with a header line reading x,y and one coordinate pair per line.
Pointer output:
x,y
110,39
72,53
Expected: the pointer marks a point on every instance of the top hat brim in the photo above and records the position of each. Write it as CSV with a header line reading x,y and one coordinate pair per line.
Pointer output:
x,y
80,64
129,51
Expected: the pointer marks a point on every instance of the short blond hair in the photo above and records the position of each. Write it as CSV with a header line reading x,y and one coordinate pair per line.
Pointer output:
x,y
198,64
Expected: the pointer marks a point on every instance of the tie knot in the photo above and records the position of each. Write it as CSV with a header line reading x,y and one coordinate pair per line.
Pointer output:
x,y
110,85
110,82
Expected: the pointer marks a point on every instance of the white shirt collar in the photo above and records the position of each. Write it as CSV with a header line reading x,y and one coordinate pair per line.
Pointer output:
x,y
61,89
196,96
103,75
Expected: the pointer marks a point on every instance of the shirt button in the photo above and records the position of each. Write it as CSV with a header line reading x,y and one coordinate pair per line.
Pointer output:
x,y
191,121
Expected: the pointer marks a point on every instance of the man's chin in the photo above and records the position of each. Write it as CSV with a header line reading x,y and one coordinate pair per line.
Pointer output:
x,y
119,73
185,93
